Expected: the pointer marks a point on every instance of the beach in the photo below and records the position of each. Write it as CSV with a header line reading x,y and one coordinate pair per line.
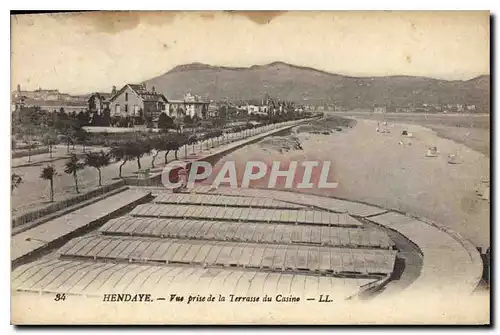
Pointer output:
x,y
392,171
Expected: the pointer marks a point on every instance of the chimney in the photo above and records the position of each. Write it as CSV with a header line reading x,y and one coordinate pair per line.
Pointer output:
x,y
153,89
113,90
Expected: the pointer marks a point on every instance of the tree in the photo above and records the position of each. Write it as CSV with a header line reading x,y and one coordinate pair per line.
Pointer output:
x,y
66,126
29,122
149,122
15,181
212,134
98,160
188,120
139,148
165,122
158,144
139,119
83,118
59,119
48,173
173,142
122,152
176,141
178,123
167,145
220,120
81,135
106,118
115,121
49,139
196,120
192,140
72,167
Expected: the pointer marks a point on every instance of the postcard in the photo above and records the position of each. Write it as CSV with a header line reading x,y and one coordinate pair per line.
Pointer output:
x,y
229,167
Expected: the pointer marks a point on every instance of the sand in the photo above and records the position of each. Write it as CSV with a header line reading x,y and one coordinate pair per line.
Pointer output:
x,y
386,170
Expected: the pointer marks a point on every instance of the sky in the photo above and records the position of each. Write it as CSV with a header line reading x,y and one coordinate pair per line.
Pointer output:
x,y
86,52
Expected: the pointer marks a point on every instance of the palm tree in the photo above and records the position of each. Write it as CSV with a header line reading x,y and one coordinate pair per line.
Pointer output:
x,y
98,160
16,180
72,167
48,173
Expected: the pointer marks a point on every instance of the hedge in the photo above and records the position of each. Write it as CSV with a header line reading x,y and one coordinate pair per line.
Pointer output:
x,y
25,153
36,214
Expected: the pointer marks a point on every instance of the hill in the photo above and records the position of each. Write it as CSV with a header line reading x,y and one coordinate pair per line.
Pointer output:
x,y
307,85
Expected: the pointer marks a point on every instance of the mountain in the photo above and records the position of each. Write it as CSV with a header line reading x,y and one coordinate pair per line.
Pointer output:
x,y
308,85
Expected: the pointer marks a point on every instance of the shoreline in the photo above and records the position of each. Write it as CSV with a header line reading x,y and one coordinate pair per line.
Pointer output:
x,y
453,127
475,143
383,169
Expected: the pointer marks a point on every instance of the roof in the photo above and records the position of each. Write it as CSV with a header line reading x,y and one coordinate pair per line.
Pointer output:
x,y
141,91
103,95
252,245
149,96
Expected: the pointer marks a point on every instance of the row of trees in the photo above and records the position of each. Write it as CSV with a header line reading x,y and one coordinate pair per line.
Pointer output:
x,y
130,149
123,152
37,121
32,123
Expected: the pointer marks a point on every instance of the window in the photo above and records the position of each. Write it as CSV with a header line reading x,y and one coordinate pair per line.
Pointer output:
x,y
126,96
126,108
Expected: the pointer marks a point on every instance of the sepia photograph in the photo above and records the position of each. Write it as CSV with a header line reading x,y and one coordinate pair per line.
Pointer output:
x,y
250,167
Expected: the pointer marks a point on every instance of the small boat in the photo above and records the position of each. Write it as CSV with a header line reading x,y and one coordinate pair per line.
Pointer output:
x,y
432,152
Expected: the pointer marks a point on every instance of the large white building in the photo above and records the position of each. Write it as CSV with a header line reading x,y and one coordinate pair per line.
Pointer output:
x,y
190,105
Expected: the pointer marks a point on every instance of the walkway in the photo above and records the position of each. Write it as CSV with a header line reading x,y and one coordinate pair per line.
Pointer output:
x,y
58,152
451,264
230,143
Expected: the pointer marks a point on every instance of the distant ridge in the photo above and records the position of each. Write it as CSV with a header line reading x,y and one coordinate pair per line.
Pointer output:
x,y
308,85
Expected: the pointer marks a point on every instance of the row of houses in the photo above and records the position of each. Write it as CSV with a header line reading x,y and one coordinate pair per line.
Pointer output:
x,y
267,106
136,100
132,100
425,108
141,101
